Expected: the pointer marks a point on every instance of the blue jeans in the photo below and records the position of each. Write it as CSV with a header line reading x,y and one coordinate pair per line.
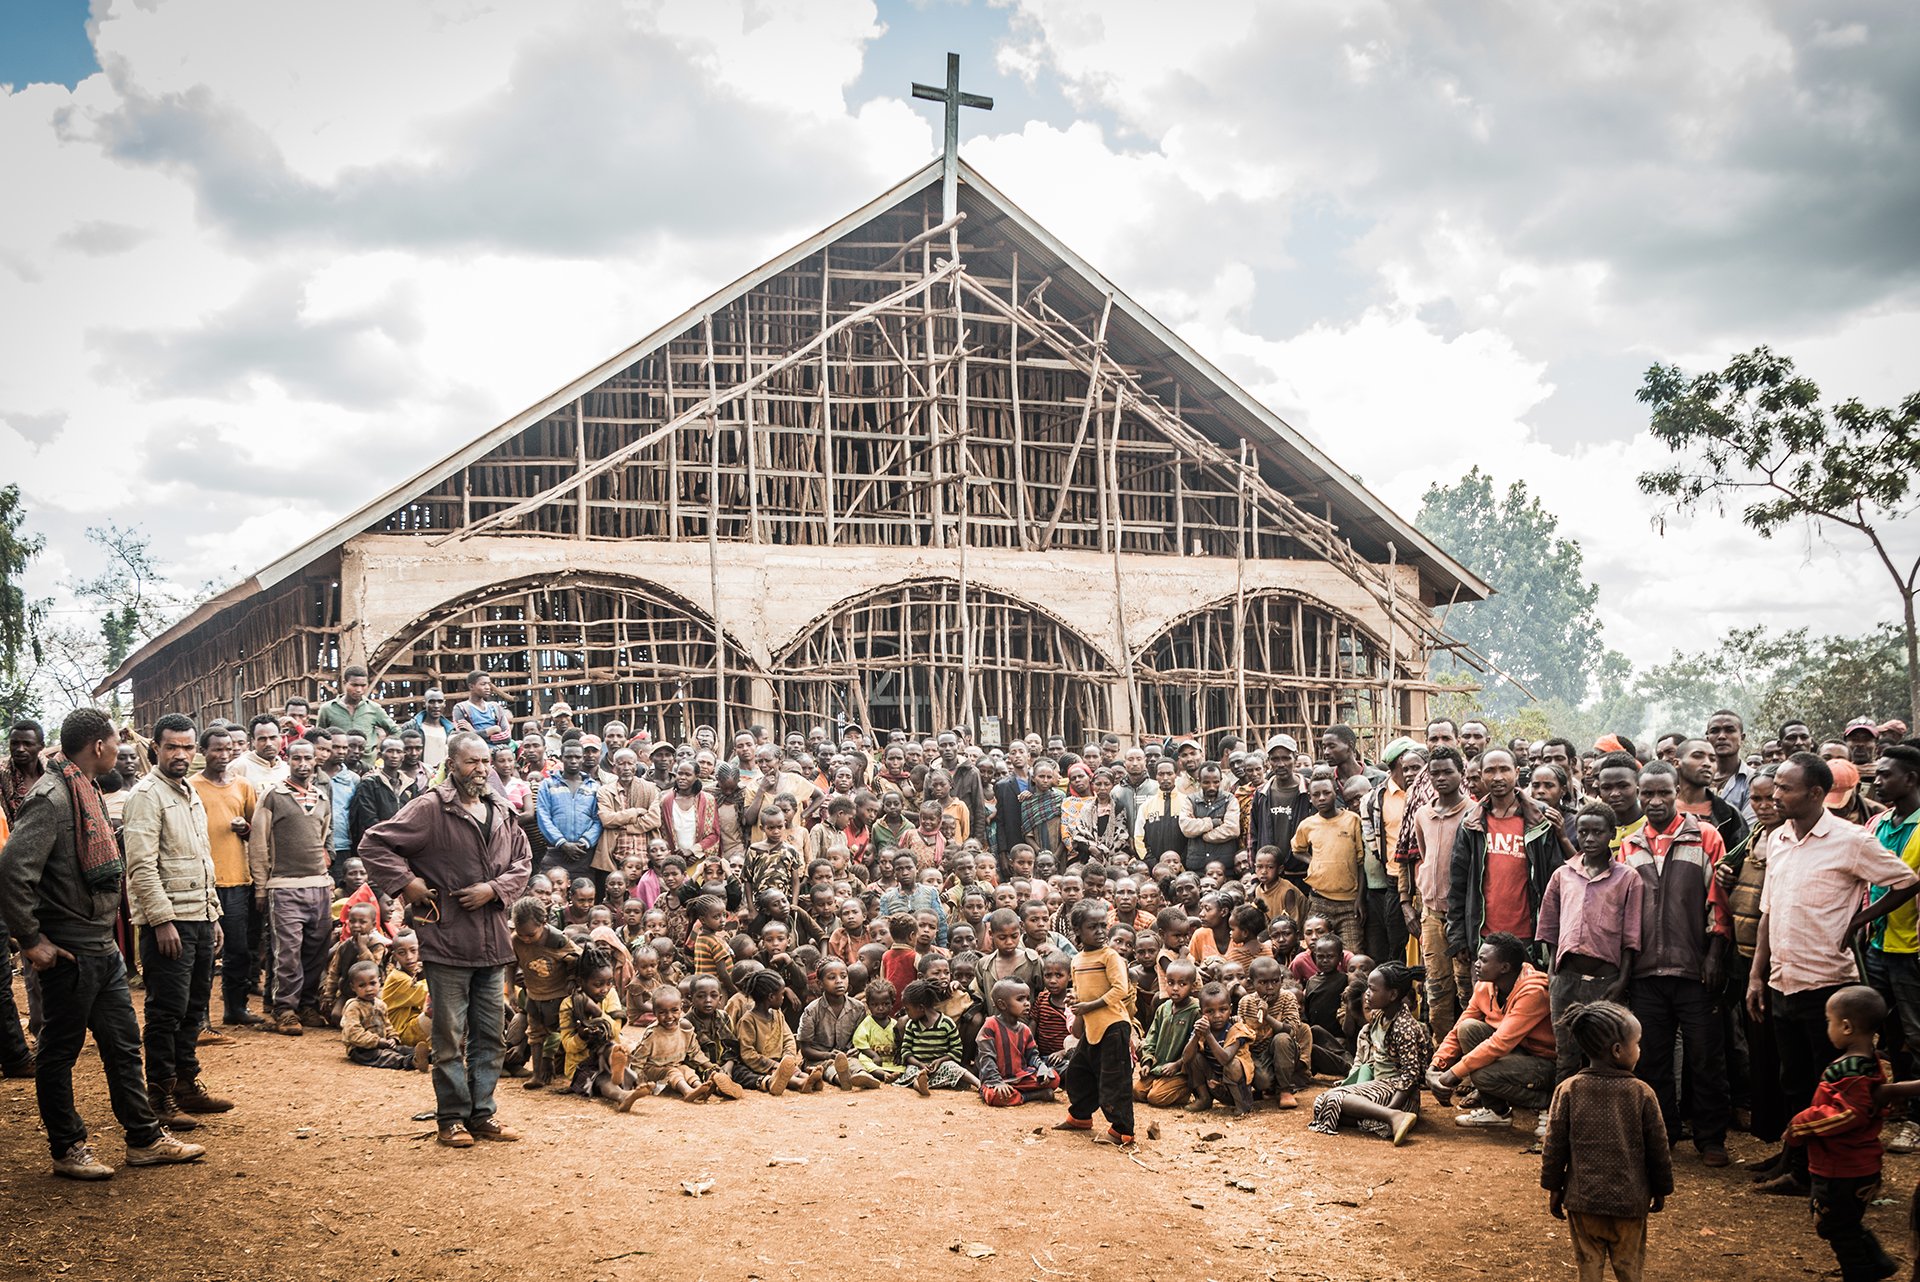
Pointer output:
x,y
90,993
469,1039
178,990
240,957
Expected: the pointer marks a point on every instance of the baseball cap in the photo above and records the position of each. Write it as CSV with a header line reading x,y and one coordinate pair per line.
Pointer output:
x,y
1895,727
561,707
1846,777
1286,741
1862,725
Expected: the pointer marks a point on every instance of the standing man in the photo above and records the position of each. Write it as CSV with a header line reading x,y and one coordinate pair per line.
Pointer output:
x,y
968,788
1795,736
1819,871
435,727
1135,785
1732,777
1383,815
379,796
1281,803
1157,831
481,713
1473,738
1340,748
1212,824
1503,855
354,712
229,803
630,815
262,764
1893,942
23,768
1007,795
170,886
289,847
459,859
1426,876
1685,926
569,812
341,770
60,883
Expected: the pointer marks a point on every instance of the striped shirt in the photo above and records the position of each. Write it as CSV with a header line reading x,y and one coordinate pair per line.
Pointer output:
x,y
928,1043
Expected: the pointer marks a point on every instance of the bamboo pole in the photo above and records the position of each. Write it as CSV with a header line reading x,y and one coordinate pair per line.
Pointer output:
x,y
713,539
1240,595
707,408
1086,413
826,399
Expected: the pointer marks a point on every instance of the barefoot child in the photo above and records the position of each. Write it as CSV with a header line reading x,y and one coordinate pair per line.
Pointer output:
x,y
1382,1093
547,960
668,1057
769,1057
714,1031
1605,1161
405,992
875,1058
1010,1068
363,1025
591,1021
1161,1081
1101,1070
929,1043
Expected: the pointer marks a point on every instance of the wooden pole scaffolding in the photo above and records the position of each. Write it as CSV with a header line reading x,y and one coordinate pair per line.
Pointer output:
x,y
713,538
1240,594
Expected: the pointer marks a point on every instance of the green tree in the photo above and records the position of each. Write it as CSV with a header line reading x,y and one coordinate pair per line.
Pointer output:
x,y
1768,677
1540,626
1757,432
20,618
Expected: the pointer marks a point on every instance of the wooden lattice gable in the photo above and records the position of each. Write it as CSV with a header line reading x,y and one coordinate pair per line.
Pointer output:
x,y
822,399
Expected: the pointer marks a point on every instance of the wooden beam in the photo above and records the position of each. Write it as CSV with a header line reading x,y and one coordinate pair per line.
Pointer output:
x,y
1086,413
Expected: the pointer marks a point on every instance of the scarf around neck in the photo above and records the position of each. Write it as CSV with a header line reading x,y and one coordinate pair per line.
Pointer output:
x,y
100,863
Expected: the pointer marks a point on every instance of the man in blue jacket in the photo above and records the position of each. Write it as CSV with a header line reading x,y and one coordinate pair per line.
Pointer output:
x,y
569,814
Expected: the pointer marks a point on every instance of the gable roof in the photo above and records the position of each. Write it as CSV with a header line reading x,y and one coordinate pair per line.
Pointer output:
x,y
1135,336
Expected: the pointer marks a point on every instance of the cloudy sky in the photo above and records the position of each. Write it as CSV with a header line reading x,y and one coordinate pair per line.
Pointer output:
x,y
260,258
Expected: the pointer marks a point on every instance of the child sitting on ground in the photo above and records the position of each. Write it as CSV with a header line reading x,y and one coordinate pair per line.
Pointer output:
x,y
1382,1093
591,1022
405,993
929,1043
364,1029
769,1056
875,1057
641,988
1284,1042
668,1058
1606,1162
1008,1061
546,960
714,1032
1206,1059
1161,1078
363,942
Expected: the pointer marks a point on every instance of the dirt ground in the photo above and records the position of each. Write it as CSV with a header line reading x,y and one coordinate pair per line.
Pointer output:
x,y
320,1173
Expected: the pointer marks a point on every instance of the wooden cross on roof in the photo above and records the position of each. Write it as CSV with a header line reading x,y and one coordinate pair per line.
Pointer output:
x,y
950,156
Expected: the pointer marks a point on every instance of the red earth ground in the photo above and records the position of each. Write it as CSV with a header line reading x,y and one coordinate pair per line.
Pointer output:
x,y
321,1174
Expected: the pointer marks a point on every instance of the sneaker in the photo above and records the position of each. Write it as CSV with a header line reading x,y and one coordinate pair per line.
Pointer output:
x,y
1540,1132
165,1151
1402,1127
79,1163
194,1098
287,1024
209,1036
454,1135
1483,1118
864,1081
1902,1137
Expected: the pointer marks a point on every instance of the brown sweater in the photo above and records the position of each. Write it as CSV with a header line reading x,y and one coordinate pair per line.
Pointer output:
x,y
1611,1120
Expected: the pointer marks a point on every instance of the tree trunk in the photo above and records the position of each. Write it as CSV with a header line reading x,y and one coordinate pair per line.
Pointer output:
x,y
1913,666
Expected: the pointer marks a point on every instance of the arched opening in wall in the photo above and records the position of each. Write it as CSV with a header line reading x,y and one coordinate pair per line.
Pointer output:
x,y
1306,667
893,658
613,648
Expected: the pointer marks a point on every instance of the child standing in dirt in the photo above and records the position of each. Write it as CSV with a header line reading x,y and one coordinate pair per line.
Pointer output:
x,y
546,961
1605,1161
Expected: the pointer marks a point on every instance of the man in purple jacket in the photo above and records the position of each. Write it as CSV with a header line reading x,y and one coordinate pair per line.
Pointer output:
x,y
459,858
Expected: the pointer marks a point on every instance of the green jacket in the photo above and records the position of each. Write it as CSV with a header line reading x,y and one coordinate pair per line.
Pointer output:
x,y
1167,1036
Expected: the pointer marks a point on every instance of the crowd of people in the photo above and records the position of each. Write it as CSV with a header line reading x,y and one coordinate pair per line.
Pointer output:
x,y
1617,949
